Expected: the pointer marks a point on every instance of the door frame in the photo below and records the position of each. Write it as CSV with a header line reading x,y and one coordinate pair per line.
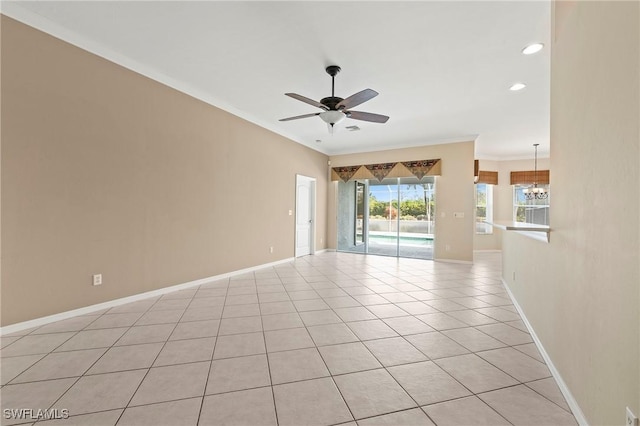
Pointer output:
x,y
312,213
365,216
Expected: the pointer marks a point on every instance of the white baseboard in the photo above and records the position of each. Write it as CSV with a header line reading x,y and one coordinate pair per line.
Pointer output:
x,y
136,297
326,250
568,396
463,262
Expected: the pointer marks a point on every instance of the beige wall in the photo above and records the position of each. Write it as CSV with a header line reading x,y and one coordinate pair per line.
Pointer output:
x,y
581,291
106,171
454,193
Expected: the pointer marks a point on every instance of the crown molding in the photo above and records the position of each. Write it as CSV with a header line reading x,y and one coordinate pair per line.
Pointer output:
x,y
14,10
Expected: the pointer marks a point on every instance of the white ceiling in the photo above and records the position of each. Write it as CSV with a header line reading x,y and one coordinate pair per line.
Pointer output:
x,y
443,69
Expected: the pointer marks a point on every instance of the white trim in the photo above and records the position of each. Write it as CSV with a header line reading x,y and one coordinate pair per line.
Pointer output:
x,y
415,144
464,262
312,213
136,297
568,396
510,158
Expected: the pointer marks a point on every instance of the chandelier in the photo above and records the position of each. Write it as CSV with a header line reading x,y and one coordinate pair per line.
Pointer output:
x,y
534,192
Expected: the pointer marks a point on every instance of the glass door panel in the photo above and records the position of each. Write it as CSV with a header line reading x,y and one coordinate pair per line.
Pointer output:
x,y
416,217
382,226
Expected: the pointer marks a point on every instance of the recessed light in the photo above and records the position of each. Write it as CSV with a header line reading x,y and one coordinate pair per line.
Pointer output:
x,y
517,86
532,48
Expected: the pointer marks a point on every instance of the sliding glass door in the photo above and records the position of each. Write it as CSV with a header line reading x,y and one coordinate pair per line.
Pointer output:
x,y
396,217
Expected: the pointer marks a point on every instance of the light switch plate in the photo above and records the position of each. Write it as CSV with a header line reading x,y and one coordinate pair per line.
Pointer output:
x,y
458,215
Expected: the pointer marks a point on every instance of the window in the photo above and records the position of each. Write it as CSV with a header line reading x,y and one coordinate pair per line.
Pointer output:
x,y
484,208
530,211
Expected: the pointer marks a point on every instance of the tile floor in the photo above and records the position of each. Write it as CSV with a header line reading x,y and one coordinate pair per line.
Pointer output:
x,y
391,249
335,338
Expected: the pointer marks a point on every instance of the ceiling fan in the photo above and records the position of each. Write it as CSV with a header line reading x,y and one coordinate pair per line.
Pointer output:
x,y
337,109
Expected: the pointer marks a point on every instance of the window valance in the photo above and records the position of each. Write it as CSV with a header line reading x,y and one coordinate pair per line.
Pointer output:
x,y
380,171
529,177
490,178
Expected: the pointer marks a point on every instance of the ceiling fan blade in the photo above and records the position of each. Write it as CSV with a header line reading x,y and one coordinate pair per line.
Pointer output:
x,y
306,100
357,99
299,116
367,116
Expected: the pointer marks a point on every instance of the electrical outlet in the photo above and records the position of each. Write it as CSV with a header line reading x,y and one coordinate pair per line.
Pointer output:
x,y
447,247
97,279
271,249
632,420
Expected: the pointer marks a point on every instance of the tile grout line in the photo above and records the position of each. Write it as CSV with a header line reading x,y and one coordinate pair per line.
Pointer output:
x,y
266,355
49,353
546,397
215,344
321,357
164,344
430,359
418,406
373,355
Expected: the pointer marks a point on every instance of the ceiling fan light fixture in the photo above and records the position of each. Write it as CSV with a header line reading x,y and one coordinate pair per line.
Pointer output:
x,y
336,109
332,117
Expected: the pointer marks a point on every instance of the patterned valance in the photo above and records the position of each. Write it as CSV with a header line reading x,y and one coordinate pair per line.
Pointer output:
x,y
346,173
421,168
529,177
380,171
418,169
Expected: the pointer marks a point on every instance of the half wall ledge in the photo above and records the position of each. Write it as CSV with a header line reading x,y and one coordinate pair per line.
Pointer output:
x,y
530,230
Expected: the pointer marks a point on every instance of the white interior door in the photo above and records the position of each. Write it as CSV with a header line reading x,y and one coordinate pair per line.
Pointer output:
x,y
305,215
